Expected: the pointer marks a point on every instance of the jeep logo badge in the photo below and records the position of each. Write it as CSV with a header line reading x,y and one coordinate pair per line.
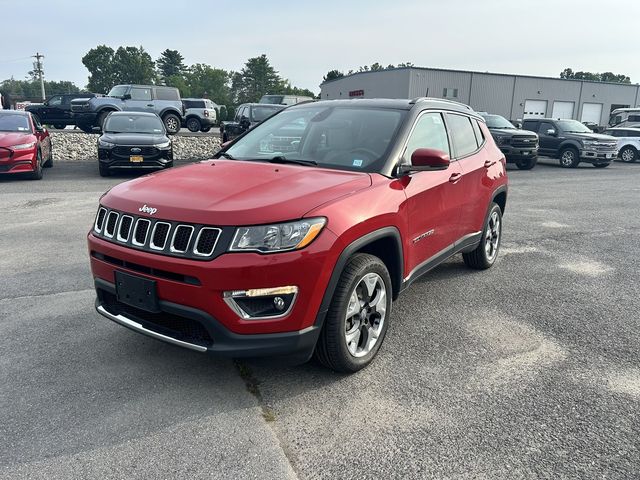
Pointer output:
x,y
149,210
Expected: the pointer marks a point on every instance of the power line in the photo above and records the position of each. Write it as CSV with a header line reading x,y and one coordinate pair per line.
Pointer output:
x,y
37,68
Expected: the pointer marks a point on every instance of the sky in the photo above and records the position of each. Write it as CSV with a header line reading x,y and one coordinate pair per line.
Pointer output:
x,y
305,39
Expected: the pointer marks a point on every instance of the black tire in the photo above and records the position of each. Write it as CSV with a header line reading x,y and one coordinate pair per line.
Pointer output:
x,y
205,129
60,126
225,137
193,124
628,154
480,258
332,350
104,170
527,164
102,116
49,162
37,174
601,165
172,123
85,128
569,157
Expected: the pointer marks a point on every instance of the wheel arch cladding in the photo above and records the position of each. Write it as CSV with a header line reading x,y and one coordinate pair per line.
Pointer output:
x,y
500,198
385,244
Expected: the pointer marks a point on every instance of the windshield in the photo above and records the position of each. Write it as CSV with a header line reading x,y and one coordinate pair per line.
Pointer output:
x,y
118,91
275,99
259,114
496,121
14,123
573,126
133,124
345,138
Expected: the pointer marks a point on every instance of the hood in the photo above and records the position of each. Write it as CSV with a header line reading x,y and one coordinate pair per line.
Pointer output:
x,y
8,139
592,136
233,192
513,131
134,138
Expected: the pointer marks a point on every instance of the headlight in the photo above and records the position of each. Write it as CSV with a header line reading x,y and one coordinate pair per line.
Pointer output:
x,y
163,145
589,143
23,146
277,238
502,140
102,143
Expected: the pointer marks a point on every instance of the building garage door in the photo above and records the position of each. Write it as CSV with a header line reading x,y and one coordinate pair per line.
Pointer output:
x,y
535,109
562,110
591,112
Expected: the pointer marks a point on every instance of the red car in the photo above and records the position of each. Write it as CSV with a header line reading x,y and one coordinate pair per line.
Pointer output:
x,y
297,237
25,145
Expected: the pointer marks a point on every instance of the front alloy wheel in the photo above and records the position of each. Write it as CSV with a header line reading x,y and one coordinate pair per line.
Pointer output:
x,y
485,254
628,154
365,314
358,316
569,158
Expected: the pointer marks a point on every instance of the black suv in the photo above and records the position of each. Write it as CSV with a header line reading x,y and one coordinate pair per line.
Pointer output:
x,y
572,142
519,147
248,115
56,110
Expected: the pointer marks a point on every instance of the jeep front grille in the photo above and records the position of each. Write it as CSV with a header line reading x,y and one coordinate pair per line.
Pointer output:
x,y
157,236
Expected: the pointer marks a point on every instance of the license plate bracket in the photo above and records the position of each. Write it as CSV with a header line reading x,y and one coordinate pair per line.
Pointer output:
x,y
138,292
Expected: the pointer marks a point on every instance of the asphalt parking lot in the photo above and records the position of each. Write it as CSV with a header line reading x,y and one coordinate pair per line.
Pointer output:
x,y
528,370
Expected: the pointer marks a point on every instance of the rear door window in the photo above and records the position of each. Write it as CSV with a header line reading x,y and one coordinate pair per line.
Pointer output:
x,y
140,93
462,135
478,131
167,94
531,126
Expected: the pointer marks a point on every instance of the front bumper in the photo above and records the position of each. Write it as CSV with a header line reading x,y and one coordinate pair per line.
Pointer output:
x,y
155,158
85,118
197,330
20,161
596,156
513,154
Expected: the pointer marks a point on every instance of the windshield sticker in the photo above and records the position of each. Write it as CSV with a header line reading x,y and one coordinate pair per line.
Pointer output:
x,y
22,129
357,163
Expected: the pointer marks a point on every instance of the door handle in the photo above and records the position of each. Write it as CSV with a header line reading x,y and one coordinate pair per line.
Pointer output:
x,y
149,104
489,163
455,177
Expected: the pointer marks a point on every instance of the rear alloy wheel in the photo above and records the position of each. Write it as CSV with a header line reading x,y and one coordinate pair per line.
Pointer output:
x,y
527,164
358,316
37,173
485,254
601,165
171,123
628,154
569,158
194,125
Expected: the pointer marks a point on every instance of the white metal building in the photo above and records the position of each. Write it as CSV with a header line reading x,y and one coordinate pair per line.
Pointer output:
x,y
512,96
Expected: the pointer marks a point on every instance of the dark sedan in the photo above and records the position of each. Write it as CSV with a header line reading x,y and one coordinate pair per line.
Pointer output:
x,y
135,140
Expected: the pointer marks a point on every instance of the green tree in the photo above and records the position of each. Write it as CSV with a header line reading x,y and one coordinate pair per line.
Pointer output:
x,y
205,81
332,75
287,89
568,73
99,62
133,65
30,90
257,78
170,64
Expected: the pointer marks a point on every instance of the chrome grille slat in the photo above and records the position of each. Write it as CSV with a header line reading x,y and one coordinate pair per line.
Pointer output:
x,y
112,222
98,224
126,221
202,249
159,235
179,232
141,224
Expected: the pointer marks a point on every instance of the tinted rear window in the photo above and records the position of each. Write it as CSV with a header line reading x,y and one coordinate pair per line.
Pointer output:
x,y
462,134
167,94
194,104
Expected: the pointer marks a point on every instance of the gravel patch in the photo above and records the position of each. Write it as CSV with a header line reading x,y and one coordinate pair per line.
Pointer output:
x,y
82,146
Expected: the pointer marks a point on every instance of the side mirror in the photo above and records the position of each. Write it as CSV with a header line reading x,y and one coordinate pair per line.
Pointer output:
x,y
126,96
244,122
426,159
518,125
552,132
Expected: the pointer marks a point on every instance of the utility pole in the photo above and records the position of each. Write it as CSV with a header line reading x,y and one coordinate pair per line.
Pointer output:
x,y
37,67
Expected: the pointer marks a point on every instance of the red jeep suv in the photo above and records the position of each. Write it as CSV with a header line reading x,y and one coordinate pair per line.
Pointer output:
x,y
295,239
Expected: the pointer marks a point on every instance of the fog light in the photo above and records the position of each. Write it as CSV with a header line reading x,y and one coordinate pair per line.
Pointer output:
x,y
261,303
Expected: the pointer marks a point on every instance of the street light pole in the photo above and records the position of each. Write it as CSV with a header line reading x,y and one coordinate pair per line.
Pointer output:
x,y
37,65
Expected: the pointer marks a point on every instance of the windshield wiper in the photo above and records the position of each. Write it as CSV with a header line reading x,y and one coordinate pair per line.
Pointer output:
x,y
225,155
283,159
